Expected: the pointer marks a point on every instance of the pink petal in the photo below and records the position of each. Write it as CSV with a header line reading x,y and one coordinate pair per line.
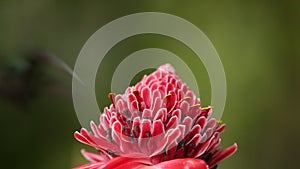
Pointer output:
x,y
202,148
161,115
146,94
222,154
92,156
171,100
147,114
173,122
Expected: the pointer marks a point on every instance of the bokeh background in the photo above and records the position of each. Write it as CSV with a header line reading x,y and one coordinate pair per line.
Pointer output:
x,y
257,40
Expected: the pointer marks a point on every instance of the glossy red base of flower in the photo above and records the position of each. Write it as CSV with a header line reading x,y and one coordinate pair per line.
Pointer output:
x,y
144,163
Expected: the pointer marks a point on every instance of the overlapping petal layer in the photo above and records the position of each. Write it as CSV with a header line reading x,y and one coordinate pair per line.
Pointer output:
x,y
159,122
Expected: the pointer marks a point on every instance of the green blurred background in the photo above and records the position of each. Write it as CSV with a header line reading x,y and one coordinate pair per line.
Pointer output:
x,y
258,43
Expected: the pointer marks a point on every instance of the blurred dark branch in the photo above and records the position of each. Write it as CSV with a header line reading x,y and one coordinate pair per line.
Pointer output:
x,y
20,84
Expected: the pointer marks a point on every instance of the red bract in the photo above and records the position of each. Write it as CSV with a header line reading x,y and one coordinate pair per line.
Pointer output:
x,y
158,123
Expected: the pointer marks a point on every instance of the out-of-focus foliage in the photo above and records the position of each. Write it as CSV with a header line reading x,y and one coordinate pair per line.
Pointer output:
x,y
258,42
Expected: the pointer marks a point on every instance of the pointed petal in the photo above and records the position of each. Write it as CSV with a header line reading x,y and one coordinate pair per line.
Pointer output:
x,y
94,157
222,154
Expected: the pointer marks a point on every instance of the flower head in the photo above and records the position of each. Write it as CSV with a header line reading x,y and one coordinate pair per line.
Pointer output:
x,y
158,123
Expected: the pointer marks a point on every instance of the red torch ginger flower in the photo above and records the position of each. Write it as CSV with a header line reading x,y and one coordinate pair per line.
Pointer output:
x,y
157,124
